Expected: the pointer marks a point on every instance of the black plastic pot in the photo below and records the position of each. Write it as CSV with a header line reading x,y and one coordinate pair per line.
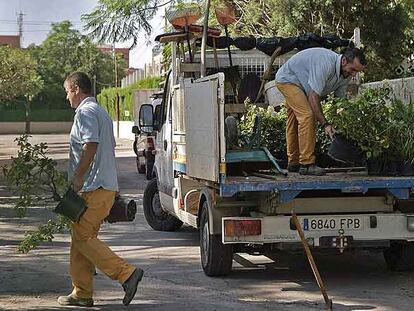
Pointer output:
x,y
392,168
407,169
375,167
345,150
71,205
121,211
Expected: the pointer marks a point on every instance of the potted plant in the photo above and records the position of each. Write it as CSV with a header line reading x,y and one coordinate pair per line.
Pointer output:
x,y
364,120
402,134
273,128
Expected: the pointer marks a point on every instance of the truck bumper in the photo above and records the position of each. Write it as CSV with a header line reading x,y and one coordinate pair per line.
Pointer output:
x,y
320,230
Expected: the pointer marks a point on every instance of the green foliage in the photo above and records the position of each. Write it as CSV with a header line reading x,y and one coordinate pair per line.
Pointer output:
x,y
365,119
41,115
31,175
120,20
45,232
18,76
379,123
64,51
108,96
402,131
386,26
273,127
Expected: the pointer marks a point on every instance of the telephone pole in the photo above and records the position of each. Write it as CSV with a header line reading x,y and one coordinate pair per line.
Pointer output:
x,y
20,24
118,114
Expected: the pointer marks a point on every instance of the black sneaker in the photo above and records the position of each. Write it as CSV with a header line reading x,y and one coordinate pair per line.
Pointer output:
x,y
311,169
130,285
72,300
293,168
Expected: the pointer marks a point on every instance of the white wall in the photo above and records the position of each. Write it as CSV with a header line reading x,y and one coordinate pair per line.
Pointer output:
x,y
35,127
125,130
403,88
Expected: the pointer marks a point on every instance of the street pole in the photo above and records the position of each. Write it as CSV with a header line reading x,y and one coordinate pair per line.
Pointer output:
x,y
116,91
204,40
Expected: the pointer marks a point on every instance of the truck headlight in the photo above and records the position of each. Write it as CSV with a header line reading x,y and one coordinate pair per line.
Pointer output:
x,y
410,223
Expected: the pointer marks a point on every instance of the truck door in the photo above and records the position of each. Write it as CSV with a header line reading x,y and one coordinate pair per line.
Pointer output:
x,y
163,160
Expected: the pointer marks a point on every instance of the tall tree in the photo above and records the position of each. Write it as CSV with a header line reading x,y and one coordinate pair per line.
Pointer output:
x,y
386,25
66,50
18,79
115,21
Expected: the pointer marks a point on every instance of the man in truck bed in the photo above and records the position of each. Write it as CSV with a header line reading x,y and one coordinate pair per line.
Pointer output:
x,y
303,80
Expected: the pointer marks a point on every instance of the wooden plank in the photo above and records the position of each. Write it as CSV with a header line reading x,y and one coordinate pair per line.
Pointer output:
x,y
189,67
174,37
234,108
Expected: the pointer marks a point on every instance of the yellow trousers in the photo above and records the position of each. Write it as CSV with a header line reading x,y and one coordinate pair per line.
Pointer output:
x,y
88,252
301,125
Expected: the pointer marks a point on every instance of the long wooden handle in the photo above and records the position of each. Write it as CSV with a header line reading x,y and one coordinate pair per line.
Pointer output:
x,y
312,263
268,71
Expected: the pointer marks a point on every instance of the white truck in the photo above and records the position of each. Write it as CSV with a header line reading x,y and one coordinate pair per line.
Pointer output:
x,y
202,182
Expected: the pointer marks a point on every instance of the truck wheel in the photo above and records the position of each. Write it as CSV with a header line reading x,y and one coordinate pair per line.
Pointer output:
x,y
216,257
140,167
148,171
400,257
156,217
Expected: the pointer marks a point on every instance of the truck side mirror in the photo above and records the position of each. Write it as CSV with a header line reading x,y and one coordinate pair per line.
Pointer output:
x,y
146,118
157,117
135,129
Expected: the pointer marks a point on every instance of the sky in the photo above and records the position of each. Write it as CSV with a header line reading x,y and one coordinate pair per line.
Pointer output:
x,y
39,14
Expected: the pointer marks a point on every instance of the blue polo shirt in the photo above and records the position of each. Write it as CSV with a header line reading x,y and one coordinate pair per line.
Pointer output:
x,y
93,124
316,69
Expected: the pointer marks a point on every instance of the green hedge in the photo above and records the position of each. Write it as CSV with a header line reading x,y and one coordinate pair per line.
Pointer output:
x,y
42,115
107,98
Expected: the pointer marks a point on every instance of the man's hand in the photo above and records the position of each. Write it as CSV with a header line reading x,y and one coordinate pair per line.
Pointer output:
x,y
329,130
77,183
88,153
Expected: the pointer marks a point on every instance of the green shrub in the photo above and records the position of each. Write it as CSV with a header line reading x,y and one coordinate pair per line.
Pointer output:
x,y
43,115
364,119
380,124
272,130
107,98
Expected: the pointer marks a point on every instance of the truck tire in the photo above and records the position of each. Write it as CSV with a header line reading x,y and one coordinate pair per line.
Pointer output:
x,y
156,217
141,168
400,257
148,171
216,257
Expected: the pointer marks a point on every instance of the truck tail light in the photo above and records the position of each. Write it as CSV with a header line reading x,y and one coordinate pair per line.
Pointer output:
x,y
244,227
150,143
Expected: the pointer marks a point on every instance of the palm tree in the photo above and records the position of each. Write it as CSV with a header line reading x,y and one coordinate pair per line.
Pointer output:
x,y
120,20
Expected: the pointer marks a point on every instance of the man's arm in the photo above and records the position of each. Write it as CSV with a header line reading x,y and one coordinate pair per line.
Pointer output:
x,y
88,153
315,103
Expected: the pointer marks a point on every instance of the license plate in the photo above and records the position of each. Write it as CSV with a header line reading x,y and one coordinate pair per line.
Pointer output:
x,y
329,223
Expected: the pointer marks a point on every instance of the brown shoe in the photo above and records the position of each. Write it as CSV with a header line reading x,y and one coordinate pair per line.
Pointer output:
x,y
293,168
72,300
311,169
130,285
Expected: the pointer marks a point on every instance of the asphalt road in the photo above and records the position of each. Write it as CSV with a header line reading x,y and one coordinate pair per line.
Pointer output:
x,y
173,277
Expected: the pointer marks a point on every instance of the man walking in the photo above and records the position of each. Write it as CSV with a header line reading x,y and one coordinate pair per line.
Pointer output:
x,y
92,172
303,80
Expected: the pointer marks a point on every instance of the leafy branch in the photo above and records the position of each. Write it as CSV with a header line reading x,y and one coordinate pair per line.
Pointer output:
x,y
32,175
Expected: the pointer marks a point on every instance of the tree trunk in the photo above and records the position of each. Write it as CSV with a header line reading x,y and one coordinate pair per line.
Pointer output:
x,y
27,105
